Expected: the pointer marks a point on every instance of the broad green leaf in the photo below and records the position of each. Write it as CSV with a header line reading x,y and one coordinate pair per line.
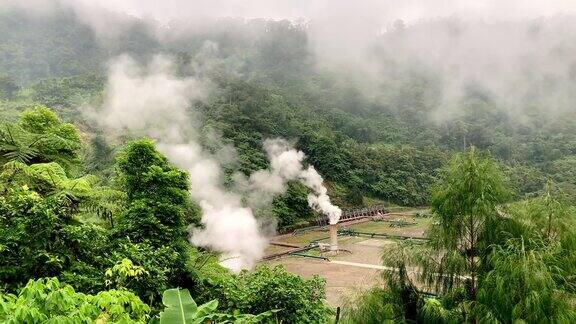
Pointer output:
x,y
180,307
205,309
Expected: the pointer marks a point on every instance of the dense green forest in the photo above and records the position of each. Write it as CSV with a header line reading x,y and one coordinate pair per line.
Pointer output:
x,y
95,224
386,145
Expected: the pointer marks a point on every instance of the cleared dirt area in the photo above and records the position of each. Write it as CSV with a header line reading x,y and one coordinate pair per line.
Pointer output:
x,y
340,279
356,268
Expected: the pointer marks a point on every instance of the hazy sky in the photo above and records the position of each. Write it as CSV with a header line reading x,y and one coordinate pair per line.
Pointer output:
x,y
293,9
384,10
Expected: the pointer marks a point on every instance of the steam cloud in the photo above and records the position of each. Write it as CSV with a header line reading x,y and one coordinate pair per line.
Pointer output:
x,y
286,165
151,101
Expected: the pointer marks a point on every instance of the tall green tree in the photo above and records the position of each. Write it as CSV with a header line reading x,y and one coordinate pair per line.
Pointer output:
x,y
152,229
157,195
465,206
487,261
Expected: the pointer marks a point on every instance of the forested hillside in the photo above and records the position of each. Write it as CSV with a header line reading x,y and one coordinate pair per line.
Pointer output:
x,y
385,145
97,218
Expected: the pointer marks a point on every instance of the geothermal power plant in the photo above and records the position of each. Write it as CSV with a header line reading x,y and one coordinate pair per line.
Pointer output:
x,y
332,246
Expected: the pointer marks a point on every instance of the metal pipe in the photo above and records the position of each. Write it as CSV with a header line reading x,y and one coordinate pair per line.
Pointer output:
x,y
352,232
319,239
281,254
310,256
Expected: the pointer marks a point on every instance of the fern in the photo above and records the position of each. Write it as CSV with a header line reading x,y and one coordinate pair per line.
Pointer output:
x,y
50,180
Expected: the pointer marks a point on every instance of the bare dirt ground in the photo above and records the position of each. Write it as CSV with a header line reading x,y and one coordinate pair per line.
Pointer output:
x,y
340,279
360,267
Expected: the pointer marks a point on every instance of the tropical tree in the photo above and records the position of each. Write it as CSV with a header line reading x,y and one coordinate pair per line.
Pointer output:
x,y
42,237
50,180
31,237
40,137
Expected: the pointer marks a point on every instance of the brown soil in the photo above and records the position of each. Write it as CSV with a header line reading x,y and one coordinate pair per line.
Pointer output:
x,y
341,280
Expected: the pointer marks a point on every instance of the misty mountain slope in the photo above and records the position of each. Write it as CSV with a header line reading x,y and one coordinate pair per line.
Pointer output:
x,y
376,133
37,46
33,48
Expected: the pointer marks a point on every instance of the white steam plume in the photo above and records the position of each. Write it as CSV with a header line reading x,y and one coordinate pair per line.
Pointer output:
x,y
319,200
151,101
286,165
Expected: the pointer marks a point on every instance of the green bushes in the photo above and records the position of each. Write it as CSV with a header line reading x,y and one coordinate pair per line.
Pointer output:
x,y
49,301
297,300
31,243
181,308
